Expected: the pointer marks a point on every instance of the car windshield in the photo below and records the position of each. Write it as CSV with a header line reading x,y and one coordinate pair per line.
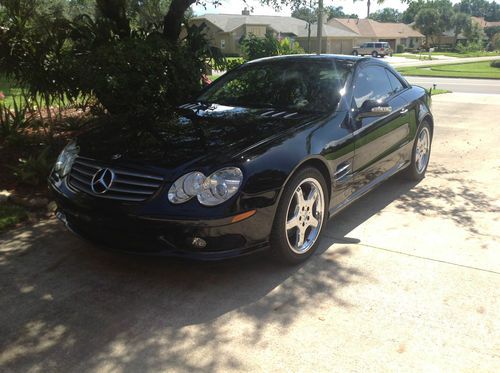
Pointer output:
x,y
307,85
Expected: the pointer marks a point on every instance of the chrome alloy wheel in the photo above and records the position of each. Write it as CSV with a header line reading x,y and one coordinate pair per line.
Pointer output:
x,y
422,150
305,215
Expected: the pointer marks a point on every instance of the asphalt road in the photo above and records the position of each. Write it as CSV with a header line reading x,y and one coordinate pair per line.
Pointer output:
x,y
406,279
490,86
399,62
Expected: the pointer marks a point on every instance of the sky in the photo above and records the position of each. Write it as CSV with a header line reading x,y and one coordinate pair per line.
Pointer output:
x,y
358,7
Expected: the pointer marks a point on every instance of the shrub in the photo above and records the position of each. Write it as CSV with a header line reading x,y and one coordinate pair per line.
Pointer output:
x,y
495,63
469,47
35,169
400,48
15,119
233,63
495,42
254,47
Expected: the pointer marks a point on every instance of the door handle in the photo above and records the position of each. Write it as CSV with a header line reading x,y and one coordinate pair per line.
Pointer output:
x,y
404,110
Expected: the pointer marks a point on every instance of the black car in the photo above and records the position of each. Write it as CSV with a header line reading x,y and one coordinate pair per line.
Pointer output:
x,y
260,160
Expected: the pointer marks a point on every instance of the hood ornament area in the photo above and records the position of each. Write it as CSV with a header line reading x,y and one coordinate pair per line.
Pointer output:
x,y
102,181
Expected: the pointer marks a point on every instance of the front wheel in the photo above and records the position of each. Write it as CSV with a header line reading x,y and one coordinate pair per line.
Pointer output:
x,y
300,217
374,54
420,154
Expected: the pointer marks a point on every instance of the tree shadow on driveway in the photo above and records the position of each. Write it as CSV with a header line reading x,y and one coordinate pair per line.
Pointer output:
x,y
67,305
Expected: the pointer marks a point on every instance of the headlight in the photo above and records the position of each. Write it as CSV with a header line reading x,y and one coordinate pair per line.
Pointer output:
x,y
211,190
65,160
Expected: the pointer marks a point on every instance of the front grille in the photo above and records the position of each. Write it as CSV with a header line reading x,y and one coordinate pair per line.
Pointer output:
x,y
127,185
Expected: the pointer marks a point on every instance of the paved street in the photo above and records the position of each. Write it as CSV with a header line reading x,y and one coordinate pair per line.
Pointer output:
x,y
406,62
458,84
407,279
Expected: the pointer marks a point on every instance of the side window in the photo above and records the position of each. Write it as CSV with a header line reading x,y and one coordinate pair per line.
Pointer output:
x,y
395,82
378,45
371,83
369,45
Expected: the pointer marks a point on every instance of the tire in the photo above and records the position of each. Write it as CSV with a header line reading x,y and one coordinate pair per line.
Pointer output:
x,y
374,54
419,161
296,219
355,53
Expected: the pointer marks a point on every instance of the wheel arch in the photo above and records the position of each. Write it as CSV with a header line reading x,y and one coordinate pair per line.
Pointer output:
x,y
315,162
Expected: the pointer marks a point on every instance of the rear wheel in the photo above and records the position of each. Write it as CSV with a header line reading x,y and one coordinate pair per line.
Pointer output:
x,y
300,217
354,53
420,154
374,54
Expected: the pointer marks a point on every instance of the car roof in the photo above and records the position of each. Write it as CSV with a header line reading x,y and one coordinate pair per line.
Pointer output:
x,y
307,57
321,57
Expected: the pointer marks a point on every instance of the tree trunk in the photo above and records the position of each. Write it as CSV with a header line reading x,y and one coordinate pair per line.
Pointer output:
x,y
368,4
308,37
172,22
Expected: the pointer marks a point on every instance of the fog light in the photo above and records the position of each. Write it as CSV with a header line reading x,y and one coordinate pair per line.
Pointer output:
x,y
199,243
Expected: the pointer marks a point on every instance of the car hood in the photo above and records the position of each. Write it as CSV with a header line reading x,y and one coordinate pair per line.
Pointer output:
x,y
198,133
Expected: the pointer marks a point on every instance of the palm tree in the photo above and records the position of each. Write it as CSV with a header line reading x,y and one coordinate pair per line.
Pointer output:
x,y
368,5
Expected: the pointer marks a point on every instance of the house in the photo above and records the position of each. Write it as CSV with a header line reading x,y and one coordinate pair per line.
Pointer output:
x,y
226,31
447,38
483,23
370,30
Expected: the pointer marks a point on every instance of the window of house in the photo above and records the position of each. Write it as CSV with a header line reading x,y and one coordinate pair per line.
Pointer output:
x,y
222,43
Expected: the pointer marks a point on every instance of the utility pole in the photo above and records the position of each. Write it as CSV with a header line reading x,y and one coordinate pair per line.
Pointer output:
x,y
320,25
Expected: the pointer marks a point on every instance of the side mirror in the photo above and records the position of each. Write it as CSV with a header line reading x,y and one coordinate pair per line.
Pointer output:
x,y
373,108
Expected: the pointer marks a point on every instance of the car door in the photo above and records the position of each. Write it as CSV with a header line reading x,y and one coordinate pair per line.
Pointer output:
x,y
377,139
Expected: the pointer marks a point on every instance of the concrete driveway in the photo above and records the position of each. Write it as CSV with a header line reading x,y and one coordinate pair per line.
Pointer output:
x,y
407,279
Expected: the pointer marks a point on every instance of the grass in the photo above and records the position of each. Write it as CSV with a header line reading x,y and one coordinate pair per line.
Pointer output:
x,y
412,56
10,215
439,91
463,70
416,56
214,77
10,90
468,54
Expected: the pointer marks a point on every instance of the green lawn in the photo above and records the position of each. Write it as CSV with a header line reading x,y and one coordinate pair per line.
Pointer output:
x,y
463,70
416,56
439,91
468,54
9,90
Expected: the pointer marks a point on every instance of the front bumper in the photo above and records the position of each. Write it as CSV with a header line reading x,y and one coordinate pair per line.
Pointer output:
x,y
109,225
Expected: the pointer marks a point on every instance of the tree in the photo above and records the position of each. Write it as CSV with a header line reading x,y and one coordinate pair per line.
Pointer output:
x,y
474,33
387,15
337,12
309,15
427,21
459,22
368,5
495,42
480,8
413,8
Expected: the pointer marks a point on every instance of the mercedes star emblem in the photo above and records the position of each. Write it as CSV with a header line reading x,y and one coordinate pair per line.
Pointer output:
x,y
102,180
